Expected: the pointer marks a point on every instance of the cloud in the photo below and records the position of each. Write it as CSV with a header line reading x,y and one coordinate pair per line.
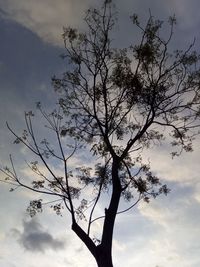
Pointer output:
x,y
185,11
197,193
177,224
46,17
165,233
183,169
35,239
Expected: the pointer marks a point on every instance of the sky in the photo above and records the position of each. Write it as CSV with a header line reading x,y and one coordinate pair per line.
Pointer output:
x,y
164,233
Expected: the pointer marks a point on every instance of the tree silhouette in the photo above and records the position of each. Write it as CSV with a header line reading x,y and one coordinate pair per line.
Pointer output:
x,y
113,105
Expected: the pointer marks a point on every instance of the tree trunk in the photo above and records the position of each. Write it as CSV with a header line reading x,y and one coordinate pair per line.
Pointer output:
x,y
105,263
103,252
103,257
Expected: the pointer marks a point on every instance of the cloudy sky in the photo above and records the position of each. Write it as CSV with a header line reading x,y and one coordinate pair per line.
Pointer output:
x,y
164,233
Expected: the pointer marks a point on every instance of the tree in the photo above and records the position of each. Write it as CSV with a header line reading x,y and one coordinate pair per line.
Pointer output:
x,y
113,104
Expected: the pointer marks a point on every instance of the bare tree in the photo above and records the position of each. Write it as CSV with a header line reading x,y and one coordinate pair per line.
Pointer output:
x,y
114,104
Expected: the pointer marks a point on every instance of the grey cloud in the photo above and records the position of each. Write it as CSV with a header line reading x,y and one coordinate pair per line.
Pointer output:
x,y
34,238
47,18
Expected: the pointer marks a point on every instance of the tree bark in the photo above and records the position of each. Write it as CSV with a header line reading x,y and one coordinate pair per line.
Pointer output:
x,y
103,257
104,250
85,238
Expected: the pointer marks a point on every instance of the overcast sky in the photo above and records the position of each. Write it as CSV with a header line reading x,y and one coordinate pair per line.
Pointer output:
x,y
165,232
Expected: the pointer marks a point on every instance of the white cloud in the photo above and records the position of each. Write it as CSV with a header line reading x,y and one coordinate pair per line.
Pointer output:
x,y
196,194
118,246
46,17
177,235
184,169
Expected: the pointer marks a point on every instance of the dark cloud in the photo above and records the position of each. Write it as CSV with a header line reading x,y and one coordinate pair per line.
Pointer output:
x,y
34,238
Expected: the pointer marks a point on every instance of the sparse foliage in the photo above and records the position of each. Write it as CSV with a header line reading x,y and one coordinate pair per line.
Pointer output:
x,y
114,104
